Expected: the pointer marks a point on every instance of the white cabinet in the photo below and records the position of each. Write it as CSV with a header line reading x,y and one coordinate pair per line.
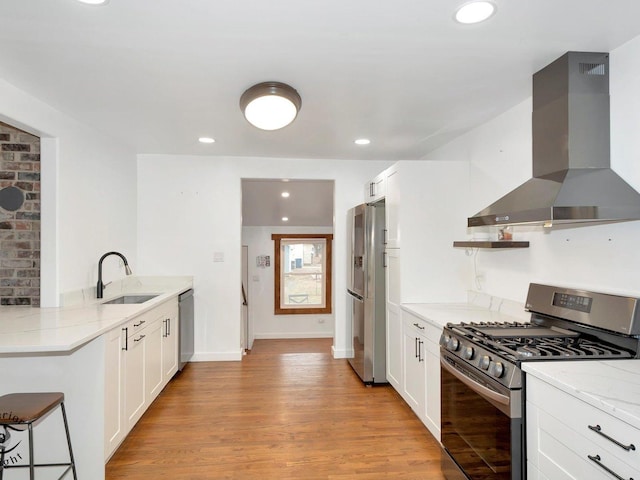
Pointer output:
x,y
567,438
170,330
114,428
421,376
394,319
426,210
153,372
140,358
392,207
413,388
133,375
374,190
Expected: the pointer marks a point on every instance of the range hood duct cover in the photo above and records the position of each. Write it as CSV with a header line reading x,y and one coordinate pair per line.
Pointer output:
x,y
572,179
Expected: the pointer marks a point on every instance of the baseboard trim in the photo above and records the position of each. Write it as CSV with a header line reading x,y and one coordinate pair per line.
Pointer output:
x,y
341,353
217,356
280,336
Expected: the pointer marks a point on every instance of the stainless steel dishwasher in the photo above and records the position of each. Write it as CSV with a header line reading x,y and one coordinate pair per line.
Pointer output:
x,y
185,303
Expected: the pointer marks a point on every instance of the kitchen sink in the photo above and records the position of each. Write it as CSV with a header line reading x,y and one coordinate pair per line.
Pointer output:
x,y
129,299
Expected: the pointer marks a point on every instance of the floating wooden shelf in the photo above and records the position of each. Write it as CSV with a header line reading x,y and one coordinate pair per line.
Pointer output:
x,y
491,244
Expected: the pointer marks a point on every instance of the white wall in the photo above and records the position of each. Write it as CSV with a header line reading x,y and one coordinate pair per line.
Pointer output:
x,y
190,207
603,257
88,191
262,321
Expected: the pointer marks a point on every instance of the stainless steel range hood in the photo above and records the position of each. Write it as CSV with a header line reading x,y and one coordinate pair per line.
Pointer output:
x,y
572,179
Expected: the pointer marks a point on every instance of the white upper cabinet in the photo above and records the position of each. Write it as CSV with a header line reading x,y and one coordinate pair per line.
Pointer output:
x,y
374,190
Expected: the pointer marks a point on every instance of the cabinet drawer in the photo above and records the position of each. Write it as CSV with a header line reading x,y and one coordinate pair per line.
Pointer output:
x,y
577,416
561,454
422,327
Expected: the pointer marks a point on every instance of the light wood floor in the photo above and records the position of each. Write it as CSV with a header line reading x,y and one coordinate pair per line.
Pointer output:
x,y
287,411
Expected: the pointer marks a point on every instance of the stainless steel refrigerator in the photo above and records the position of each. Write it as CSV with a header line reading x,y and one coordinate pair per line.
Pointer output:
x,y
366,291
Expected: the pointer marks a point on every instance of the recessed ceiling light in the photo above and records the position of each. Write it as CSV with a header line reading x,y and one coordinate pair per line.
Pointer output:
x,y
475,12
94,2
285,219
206,140
362,141
285,194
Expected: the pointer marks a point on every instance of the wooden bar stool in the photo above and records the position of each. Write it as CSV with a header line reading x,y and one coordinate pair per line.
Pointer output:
x,y
20,409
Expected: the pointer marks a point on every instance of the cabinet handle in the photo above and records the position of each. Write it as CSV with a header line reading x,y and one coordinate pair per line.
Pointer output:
x,y
420,327
139,323
598,430
372,187
168,327
596,459
126,338
384,259
384,236
415,347
164,327
420,359
138,339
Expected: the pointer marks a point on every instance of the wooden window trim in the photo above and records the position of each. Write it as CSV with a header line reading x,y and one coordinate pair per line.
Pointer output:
x,y
277,238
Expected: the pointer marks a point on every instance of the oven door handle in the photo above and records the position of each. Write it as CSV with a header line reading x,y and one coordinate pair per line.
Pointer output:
x,y
480,389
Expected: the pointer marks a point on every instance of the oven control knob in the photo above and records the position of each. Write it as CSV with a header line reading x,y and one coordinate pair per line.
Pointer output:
x,y
496,369
484,363
467,353
444,339
453,344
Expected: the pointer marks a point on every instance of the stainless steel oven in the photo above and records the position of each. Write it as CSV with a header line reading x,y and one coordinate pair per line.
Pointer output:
x,y
483,387
481,424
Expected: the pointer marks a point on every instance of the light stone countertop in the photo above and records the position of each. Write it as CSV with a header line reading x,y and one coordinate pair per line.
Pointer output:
x,y
610,385
28,330
479,308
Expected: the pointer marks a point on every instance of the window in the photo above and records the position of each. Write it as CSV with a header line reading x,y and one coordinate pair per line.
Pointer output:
x,y
302,273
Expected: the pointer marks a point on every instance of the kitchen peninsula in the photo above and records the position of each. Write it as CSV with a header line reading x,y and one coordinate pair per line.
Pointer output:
x,y
109,360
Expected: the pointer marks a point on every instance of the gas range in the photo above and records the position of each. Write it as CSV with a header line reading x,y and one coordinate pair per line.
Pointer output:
x,y
498,349
483,389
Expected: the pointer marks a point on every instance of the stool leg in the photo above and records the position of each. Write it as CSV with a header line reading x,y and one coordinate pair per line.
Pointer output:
x,y
66,429
32,473
1,461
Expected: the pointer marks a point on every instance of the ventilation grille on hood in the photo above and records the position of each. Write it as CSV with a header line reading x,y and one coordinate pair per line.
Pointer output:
x,y
572,179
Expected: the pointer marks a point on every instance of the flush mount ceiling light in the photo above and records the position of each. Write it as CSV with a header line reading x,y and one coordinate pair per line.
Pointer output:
x,y
285,219
475,12
285,194
206,140
362,141
270,105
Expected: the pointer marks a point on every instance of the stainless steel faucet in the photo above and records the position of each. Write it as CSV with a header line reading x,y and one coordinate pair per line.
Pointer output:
x,y
100,286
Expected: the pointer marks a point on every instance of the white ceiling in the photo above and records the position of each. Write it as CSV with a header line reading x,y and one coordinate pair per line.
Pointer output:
x,y
158,74
310,203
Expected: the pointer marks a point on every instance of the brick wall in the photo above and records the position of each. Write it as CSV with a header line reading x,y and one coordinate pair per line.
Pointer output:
x,y
19,229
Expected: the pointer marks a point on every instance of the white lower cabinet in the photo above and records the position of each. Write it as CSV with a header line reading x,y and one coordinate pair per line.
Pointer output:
x,y
141,356
170,331
421,365
413,387
133,375
114,415
394,319
568,439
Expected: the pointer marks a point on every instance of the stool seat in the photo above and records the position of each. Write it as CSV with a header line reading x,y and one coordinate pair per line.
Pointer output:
x,y
24,408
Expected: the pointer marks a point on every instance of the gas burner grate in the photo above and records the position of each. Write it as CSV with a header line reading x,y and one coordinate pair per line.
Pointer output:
x,y
527,341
